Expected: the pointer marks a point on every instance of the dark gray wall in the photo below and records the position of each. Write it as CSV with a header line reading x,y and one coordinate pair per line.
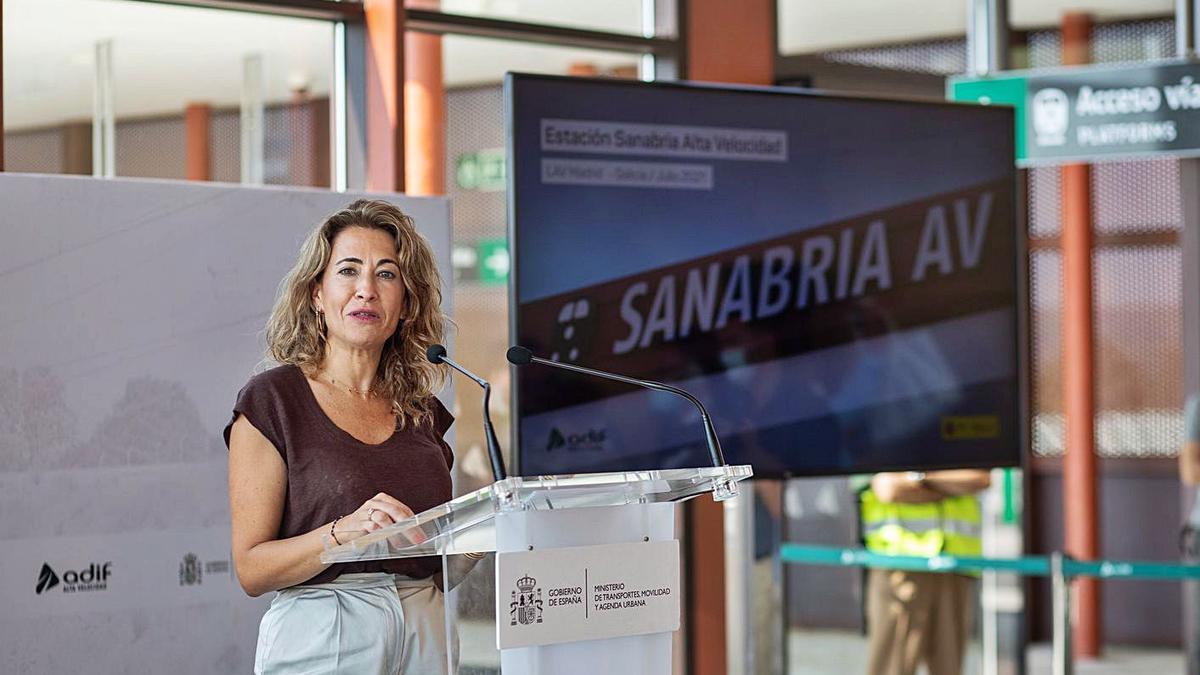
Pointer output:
x,y
1139,520
822,511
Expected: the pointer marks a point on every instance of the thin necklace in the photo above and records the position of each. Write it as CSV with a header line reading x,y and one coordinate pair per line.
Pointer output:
x,y
370,391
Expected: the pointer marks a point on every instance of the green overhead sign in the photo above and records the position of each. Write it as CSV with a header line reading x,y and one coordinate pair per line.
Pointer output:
x,y
1094,113
1008,91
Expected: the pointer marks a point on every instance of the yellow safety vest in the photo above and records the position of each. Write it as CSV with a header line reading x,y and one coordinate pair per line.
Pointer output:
x,y
947,527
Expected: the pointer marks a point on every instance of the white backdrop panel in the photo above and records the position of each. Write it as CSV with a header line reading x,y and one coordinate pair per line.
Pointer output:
x,y
131,312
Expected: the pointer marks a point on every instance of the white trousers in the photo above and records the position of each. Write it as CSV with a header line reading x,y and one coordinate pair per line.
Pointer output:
x,y
358,623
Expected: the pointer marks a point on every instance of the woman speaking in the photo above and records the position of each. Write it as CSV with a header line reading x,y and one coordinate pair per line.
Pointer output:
x,y
344,437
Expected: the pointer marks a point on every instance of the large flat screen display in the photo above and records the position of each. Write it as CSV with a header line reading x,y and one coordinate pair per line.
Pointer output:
x,y
835,277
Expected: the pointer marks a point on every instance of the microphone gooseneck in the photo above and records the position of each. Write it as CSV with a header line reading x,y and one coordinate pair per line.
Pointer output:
x,y
519,356
437,355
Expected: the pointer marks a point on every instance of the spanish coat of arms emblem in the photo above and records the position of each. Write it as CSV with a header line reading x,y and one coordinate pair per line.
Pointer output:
x,y
526,605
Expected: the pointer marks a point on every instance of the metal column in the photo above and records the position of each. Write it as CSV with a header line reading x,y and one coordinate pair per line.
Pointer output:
x,y
1185,36
661,19
1189,193
1186,27
987,36
739,557
349,118
1060,589
988,53
253,120
104,128
1,85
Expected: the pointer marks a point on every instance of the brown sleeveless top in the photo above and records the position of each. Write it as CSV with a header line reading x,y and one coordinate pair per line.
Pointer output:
x,y
330,473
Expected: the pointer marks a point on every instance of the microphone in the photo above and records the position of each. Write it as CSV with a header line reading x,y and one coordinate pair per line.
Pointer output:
x,y
437,355
520,356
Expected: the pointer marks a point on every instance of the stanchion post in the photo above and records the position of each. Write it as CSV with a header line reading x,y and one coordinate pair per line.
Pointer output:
x,y
1060,589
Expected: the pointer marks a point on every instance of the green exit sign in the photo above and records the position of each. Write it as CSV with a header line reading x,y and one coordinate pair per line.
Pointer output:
x,y
483,170
493,261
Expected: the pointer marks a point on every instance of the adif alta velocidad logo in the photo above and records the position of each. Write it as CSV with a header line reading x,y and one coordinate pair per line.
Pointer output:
x,y
94,577
590,439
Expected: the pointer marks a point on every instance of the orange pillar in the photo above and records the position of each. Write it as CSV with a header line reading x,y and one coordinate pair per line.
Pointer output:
x,y
424,115
198,141
731,41
726,42
583,69
1079,466
384,21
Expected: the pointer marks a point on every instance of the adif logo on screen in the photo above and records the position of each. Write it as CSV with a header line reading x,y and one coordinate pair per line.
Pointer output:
x,y
92,578
1051,116
592,439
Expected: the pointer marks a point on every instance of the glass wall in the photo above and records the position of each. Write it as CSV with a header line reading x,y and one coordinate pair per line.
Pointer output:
x,y
1137,277
475,172
475,182
231,72
612,16
808,27
165,59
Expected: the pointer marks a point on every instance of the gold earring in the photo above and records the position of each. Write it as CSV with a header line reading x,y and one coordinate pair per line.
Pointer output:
x,y
321,327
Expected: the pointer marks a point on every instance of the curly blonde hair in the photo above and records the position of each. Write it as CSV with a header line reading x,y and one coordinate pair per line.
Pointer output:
x,y
405,375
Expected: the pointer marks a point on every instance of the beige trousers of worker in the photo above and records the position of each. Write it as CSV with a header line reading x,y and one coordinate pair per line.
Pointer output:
x,y
378,623
918,616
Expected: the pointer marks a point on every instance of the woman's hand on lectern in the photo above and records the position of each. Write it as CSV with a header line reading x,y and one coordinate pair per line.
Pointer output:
x,y
377,512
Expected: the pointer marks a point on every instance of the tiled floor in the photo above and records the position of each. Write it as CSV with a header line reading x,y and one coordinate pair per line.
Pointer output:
x,y
827,652
840,653
1116,661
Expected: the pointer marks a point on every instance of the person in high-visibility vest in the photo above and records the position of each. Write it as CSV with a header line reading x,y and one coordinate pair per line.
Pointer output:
x,y
915,617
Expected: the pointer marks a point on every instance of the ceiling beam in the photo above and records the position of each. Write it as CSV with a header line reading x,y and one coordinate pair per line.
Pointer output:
x,y
456,24
329,10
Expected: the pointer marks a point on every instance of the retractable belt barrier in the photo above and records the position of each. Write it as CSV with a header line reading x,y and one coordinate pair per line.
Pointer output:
x,y
1030,565
1057,566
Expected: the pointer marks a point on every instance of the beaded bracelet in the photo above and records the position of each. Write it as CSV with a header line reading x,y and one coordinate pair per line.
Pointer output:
x,y
332,533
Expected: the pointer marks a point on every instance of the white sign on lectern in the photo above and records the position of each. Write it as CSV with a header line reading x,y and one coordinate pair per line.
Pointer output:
x,y
586,593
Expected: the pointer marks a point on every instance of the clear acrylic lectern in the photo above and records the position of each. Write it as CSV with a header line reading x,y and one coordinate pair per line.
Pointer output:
x,y
541,514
